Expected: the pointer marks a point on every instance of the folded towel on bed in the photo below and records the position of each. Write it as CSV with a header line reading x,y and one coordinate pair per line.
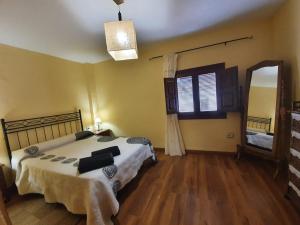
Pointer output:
x,y
114,150
31,150
95,162
139,140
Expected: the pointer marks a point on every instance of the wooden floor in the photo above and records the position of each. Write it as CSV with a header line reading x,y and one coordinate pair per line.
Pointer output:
x,y
198,189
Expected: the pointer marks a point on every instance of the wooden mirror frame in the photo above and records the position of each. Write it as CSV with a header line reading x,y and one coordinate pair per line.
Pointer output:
x,y
255,150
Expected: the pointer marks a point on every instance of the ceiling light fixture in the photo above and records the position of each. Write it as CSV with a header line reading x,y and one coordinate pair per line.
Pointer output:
x,y
121,38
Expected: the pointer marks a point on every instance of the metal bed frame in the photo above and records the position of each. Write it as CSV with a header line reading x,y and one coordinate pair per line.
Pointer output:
x,y
259,123
40,125
296,106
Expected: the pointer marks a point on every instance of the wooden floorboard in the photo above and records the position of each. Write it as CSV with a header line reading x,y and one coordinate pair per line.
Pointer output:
x,y
197,189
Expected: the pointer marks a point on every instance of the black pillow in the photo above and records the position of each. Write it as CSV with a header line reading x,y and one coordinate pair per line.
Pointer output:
x,y
83,135
95,162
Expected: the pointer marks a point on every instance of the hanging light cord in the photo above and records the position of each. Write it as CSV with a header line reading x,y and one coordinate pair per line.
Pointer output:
x,y
119,14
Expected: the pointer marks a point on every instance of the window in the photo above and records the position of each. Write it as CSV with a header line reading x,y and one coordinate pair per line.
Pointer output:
x,y
198,92
208,92
203,93
185,94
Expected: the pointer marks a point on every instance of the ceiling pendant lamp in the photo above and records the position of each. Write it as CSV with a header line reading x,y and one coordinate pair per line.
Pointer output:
x,y
121,38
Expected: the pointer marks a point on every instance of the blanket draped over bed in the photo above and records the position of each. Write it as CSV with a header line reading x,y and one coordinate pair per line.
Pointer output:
x,y
91,193
260,140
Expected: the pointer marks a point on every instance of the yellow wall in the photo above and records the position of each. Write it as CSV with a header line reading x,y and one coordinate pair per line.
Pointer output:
x,y
262,103
131,95
33,84
287,39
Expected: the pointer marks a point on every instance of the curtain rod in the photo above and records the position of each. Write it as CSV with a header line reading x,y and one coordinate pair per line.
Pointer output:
x,y
206,46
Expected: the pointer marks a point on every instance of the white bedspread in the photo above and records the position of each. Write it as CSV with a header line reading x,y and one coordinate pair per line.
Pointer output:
x,y
260,139
89,193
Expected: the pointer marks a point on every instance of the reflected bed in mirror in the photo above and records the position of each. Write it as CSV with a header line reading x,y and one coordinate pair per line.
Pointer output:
x,y
262,107
258,132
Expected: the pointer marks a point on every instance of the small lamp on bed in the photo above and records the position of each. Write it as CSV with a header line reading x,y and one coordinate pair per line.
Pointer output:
x,y
98,123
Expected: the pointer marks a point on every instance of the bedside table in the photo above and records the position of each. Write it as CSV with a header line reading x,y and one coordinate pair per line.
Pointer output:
x,y
3,187
105,132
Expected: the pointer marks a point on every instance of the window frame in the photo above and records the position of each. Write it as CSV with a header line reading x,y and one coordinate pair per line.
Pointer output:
x,y
219,70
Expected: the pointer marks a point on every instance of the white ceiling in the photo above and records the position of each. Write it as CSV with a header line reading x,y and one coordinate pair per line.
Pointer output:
x,y
265,77
73,29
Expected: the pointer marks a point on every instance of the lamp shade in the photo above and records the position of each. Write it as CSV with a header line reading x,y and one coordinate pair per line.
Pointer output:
x,y
121,40
97,120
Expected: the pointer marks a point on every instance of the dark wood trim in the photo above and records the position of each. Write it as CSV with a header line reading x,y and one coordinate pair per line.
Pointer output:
x,y
171,95
219,70
252,150
203,69
203,115
248,148
294,198
296,125
3,186
157,149
210,152
188,151
265,63
195,97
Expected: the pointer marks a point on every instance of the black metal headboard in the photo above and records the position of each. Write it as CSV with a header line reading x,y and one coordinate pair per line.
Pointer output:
x,y
259,123
26,132
296,106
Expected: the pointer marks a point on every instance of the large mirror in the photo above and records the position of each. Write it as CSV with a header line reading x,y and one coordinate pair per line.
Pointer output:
x,y
263,95
265,121
262,108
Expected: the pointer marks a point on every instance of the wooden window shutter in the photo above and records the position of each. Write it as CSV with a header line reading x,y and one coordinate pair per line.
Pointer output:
x,y
230,90
171,95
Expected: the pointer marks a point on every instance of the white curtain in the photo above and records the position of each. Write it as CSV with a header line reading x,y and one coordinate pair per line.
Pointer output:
x,y
173,139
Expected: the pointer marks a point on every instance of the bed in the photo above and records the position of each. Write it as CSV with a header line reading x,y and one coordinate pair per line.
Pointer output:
x,y
53,171
258,132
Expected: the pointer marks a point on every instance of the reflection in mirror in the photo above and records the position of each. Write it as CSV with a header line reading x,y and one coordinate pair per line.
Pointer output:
x,y
262,108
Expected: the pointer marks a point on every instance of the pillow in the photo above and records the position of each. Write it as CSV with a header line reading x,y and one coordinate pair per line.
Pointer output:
x,y
31,150
57,142
83,135
17,155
